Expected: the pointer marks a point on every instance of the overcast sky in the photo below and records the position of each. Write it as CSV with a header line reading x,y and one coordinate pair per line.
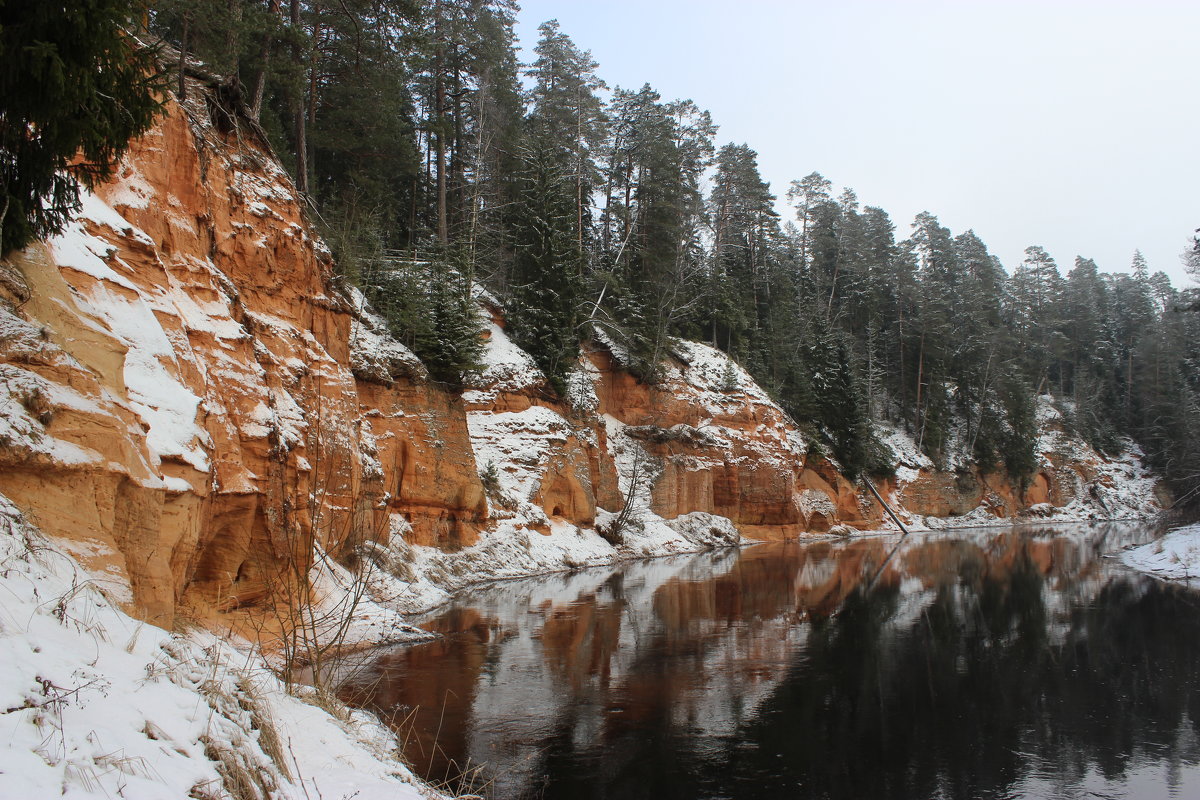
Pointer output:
x,y
1067,124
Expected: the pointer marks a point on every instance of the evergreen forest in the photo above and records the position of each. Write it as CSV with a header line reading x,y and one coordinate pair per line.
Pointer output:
x,y
433,160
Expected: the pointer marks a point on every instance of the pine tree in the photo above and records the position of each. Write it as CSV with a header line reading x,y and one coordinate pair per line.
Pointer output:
x,y
982,350
743,224
1133,314
654,158
469,112
551,218
806,195
879,315
1092,355
1035,312
362,156
931,340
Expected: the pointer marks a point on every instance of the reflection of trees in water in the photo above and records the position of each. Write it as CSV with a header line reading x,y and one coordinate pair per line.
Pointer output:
x,y
955,704
962,701
971,659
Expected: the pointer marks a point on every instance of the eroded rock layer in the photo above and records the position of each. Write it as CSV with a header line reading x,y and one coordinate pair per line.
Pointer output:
x,y
192,403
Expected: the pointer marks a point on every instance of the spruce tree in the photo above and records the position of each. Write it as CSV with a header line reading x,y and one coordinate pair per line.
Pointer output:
x,y
931,341
981,349
1133,314
551,218
806,195
568,116
1092,355
1035,311
429,306
74,89
545,289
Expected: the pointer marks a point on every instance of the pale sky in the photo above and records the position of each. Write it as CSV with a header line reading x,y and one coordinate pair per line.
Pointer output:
x,y
1067,124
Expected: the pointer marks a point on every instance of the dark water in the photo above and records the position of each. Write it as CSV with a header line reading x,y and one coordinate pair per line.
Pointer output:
x,y
977,664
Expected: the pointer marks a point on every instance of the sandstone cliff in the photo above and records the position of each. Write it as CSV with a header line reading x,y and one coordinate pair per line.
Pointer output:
x,y
193,404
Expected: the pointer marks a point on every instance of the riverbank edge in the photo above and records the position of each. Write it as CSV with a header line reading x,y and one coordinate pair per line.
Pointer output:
x,y
1174,556
627,558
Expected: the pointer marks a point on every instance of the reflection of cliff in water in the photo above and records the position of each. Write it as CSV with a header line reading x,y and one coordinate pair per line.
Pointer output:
x,y
968,698
972,665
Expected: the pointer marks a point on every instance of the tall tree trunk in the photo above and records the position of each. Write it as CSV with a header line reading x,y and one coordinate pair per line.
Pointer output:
x,y
183,47
476,192
260,80
298,116
1129,382
804,237
232,46
606,216
313,85
900,365
412,220
260,87
443,227
625,231
579,168
920,374
439,126
832,288
458,181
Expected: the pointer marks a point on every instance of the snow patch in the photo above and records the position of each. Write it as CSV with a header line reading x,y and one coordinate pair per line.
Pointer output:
x,y
75,249
506,367
151,368
101,705
154,391
907,457
374,354
517,445
714,380
1175,556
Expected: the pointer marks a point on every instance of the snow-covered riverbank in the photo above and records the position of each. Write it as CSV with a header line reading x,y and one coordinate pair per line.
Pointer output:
x,y
95,704
1176,556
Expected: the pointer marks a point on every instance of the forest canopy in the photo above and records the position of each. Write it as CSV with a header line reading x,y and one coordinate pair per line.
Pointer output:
x,y
434,161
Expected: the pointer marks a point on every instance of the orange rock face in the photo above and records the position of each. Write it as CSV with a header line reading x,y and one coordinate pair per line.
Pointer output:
x,y
726,449
203,428
189,405
1069,474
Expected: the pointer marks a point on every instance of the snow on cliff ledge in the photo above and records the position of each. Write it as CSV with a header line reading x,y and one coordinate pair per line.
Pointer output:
x,y
151,371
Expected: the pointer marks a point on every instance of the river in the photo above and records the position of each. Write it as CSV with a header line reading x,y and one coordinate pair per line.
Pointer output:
x,y
980,663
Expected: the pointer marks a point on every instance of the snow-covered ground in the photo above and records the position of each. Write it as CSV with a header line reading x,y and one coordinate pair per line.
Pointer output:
x,y
94,704
413,579
1175,556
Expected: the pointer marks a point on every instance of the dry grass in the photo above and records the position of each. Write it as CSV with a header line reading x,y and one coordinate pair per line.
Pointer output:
x,y
261,721
241,779
324,698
